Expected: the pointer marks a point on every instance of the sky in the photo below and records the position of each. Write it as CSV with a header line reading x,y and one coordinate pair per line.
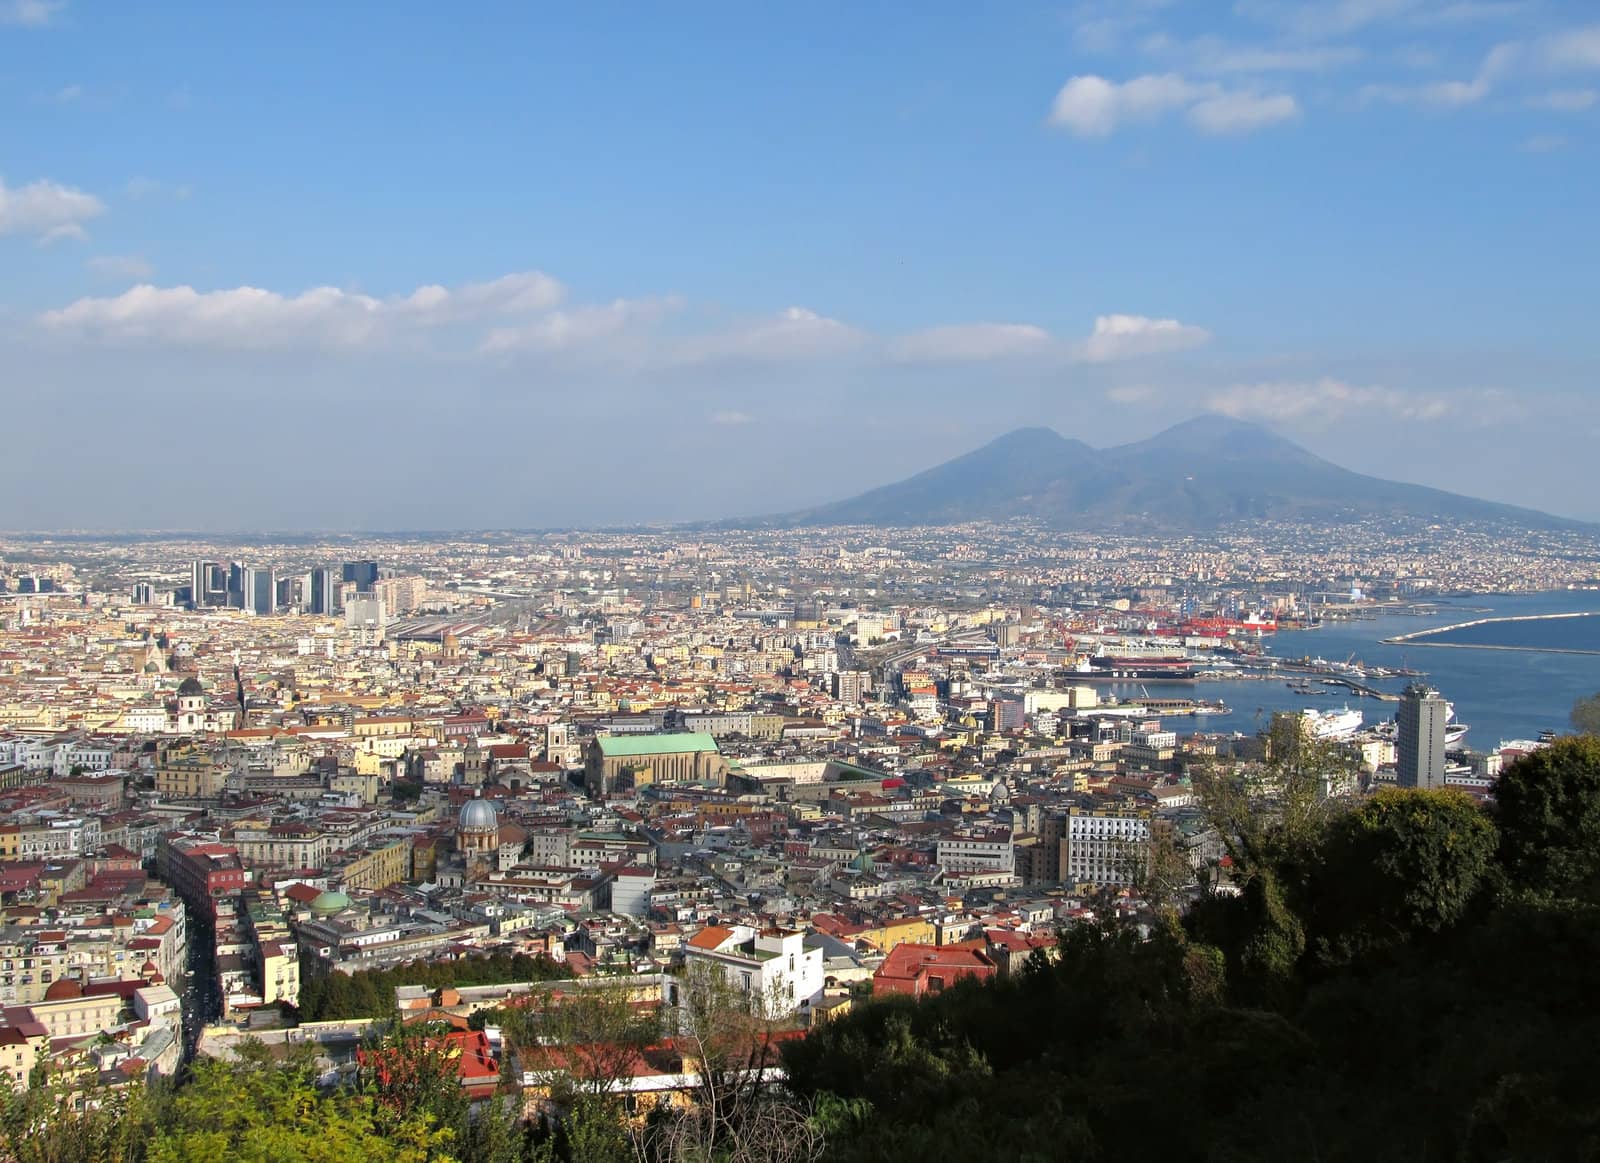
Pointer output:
x,y
506,265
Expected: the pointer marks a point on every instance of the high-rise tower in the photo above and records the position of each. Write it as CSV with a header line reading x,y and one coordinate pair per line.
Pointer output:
x,y
1419,747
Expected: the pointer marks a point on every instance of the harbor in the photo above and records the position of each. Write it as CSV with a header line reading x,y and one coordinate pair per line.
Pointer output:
x,y
1504,694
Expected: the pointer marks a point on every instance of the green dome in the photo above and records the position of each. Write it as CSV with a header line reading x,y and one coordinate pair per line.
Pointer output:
x,y
329,903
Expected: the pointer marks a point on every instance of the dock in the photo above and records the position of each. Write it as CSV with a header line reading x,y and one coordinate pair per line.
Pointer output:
x,y
1362,689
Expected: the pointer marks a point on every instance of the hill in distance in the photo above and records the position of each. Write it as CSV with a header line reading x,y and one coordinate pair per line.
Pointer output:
x,y
1206,473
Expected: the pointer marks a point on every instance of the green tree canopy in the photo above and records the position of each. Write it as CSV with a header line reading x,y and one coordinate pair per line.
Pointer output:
x,y
1405,862
1547,806
1586,715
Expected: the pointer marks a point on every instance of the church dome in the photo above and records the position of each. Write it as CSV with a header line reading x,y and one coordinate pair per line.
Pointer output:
x,y
477,813
190,686
63,989
329,904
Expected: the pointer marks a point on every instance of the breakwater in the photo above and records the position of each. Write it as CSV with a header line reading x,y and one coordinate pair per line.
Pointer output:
x,y
1425,637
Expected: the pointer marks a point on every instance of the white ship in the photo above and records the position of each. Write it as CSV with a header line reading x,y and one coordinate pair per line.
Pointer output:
x,y
1332,725
1454,732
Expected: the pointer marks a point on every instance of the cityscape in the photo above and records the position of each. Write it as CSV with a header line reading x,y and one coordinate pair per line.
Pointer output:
x,y
817,764
718,584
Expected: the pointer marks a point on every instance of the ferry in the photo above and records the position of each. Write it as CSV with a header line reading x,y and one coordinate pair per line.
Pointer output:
x,y
1334,726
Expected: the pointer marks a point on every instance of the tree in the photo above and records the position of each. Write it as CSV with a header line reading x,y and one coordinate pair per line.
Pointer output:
x,y
1275,811
1406,862
414,1070
1547,806
1586,715
1159,871
61,1124
255,1110
582,1040
730,1044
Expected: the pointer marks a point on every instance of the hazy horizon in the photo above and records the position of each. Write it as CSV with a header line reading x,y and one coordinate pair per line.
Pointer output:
x,y
343,268
552,528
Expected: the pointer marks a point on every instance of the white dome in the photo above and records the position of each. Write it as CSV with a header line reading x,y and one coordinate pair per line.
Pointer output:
x,y
477,813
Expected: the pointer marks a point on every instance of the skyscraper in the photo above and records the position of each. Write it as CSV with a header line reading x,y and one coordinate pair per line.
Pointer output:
x,y
208,584
324,595
1419,746
363,573
260,590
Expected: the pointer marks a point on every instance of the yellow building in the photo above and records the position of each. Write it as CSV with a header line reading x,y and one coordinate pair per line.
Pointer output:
x,y
900,931
189,773
67,1013
21,1048
379,866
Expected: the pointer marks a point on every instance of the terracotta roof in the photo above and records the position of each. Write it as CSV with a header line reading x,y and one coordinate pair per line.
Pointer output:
x,y
710,937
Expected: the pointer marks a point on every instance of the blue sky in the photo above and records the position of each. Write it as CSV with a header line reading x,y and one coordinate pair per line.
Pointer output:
x,y
404,265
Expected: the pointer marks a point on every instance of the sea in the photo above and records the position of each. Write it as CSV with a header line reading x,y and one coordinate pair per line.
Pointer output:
x,y
1501,694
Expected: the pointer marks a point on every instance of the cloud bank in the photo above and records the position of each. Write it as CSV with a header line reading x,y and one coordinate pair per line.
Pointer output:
x,y
525,314
47,210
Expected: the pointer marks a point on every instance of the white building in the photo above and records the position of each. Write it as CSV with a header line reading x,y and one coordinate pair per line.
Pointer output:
x,y
772,967
976,854
1106,846
630,891
365,620
91,757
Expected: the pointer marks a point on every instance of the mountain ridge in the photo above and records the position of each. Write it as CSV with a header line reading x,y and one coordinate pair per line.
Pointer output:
x,y
1208,472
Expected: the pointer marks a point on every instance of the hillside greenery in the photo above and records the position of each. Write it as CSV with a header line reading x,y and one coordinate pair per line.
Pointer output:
x,y
369,993
1411,978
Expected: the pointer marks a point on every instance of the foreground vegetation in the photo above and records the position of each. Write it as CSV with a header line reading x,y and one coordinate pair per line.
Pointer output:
x,y
1413,978
369,993
1410,978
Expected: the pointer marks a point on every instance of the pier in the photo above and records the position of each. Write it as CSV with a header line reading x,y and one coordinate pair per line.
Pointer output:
x,y
1420,637
1362,689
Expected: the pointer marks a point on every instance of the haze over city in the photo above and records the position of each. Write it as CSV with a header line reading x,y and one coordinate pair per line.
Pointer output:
x,y
340,267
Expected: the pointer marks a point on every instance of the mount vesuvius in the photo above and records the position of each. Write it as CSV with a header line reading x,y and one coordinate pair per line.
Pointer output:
x,y
1206,473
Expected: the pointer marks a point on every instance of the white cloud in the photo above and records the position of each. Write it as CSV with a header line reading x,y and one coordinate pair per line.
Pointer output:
x,y
1566,100
1576,48
249,317
1323,401
796,333
1212,54
524,314
732,419
967,342
1115,337
1242,112
1130,336
1099,26
120,266
578,327
1451,94
30,13
1572,50
1131,394
1091,106
1325,19
46,210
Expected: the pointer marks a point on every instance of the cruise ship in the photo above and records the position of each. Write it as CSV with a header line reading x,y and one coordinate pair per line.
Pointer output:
x,y
1333,725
